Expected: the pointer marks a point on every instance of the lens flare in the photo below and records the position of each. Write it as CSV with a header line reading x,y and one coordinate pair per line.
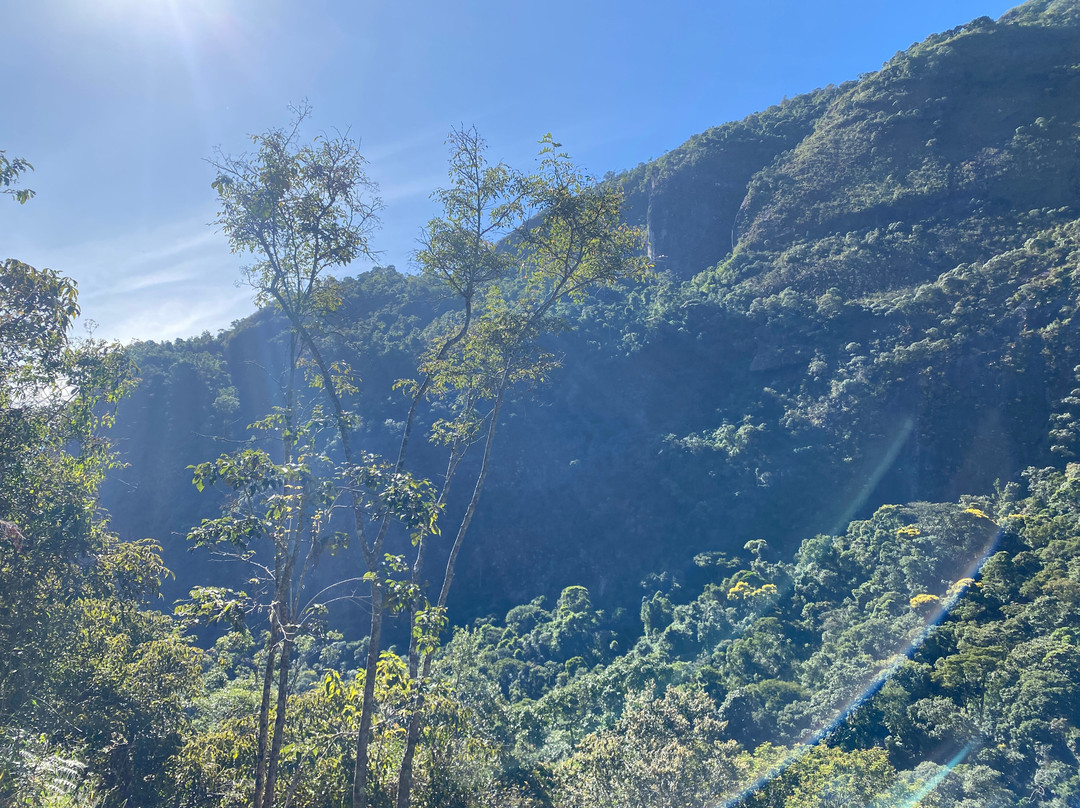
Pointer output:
x,y
903,654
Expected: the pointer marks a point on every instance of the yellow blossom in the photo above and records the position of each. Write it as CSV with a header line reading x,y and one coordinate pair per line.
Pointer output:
x,y
923,599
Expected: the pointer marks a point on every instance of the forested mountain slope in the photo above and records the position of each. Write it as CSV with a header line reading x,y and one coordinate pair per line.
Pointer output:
x,y
793,522
865,295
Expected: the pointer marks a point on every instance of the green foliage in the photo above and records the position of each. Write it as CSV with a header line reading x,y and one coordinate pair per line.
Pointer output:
x,y
895,320
96,681
10,169
301,209
840,688
32,776
826,777
669,751
482,205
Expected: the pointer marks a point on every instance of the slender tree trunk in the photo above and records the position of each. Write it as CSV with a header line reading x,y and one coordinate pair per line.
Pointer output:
x,y
266,761
279,720
412,738
367,709
405,774
371,559
264,715
373,648
466,520
331,390
425,385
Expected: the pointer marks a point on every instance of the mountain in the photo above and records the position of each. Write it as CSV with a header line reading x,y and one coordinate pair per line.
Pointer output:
x,y
793,521
864,295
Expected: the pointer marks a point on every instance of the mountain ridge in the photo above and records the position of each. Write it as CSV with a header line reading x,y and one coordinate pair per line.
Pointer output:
x,y
772,387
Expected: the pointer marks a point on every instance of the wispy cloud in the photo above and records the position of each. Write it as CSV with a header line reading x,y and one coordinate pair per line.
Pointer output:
x,y
418,143
419,188
154,317
157,283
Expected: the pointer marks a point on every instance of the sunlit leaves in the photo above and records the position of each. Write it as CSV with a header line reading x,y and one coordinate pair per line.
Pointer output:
x,y
82,661
428,626
577,239
214,604
250,471
669,751
563,235
10,170
482,205
301,209
397,494
37,306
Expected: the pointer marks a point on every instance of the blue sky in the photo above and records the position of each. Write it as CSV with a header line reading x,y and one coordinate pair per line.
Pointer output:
x,y
118,102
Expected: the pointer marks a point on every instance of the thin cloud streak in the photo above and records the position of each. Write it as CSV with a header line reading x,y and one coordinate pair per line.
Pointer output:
x,y
158,283
177,317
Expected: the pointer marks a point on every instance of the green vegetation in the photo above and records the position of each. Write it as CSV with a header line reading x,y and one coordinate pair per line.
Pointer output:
x,y
862,296
302,210
93,684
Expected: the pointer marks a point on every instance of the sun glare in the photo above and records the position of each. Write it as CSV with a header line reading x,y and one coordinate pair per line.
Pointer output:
x,y
155,16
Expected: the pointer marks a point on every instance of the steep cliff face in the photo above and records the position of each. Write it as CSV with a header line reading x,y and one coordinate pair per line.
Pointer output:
x,y
974,123
691,199
977,120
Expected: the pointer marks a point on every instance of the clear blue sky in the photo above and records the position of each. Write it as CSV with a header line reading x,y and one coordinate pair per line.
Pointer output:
x,y
118,102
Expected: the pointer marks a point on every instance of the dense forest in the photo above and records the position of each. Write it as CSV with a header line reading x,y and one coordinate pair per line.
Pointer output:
x,y
744,477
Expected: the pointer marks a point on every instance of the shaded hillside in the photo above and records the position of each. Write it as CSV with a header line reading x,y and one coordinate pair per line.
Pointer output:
x,y
896,321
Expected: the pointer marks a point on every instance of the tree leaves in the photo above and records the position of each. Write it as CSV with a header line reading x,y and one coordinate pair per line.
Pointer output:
x,y
10,170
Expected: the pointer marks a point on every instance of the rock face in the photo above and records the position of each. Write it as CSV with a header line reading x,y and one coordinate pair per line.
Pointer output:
x,y
976,122
691,199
